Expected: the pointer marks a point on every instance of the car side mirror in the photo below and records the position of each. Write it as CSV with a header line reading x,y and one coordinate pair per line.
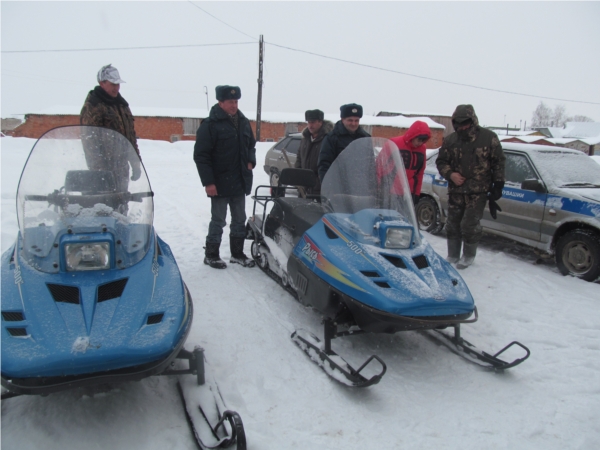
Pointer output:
x,y
534,185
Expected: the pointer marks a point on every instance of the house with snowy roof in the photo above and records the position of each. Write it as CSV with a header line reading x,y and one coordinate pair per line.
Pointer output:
x,y
174,124
582,136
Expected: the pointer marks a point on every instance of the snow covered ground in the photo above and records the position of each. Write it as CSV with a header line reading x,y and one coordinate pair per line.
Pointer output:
x,y
428,399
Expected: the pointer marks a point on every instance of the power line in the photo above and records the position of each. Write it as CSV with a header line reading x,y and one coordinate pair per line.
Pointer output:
x,y
397,71
428,78
124,48
224,23
383,69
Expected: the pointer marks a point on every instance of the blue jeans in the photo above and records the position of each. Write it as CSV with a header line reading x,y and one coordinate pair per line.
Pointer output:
x,y
218,210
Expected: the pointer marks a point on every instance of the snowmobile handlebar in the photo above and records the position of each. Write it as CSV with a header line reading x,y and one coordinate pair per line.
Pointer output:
x,y
57,198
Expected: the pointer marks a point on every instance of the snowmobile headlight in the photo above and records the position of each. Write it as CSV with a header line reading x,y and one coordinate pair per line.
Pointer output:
x,y
398,237
87,256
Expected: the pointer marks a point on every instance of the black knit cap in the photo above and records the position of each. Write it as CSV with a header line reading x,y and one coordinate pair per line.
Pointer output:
x,y
314,114
351,109
227,92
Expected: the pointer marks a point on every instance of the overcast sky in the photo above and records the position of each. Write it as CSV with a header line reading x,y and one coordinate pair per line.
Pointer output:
x,y
546,50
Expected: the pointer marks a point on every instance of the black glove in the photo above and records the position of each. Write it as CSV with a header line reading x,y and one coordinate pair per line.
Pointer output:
x,y
496,191
494,207
136,172
415,199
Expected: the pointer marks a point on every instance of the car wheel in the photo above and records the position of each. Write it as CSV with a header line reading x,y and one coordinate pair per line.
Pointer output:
x,y
428,215
578,254
274,178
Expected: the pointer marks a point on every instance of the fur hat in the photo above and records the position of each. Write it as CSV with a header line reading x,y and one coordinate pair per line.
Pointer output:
x,y
351,109
227,92
314,114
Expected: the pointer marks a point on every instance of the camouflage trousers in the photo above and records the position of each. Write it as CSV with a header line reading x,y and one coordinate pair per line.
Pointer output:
x,y
464,215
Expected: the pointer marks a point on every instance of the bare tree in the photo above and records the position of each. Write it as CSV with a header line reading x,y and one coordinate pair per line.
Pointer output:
x,y
580,119
542,116
560,117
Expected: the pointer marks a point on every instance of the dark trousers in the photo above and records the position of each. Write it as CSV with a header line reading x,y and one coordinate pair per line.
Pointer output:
x,y
464,215
218,210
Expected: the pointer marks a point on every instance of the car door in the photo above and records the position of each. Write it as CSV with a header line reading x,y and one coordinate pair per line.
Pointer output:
x,y
434,184
522,209
275,156
291,149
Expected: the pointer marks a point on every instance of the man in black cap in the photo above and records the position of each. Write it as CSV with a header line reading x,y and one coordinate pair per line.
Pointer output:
x,y
225,155
310,145
472,160
344,132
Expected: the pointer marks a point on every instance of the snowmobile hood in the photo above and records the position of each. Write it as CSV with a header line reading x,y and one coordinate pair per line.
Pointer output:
x,y
369,246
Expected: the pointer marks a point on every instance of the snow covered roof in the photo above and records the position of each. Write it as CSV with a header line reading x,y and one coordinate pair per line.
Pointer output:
x,y
579,130
582,129
562,141
526,139
412,113
511,133
266,116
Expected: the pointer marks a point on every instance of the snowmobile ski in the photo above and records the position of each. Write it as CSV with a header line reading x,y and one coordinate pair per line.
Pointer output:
x,y
213,425
464,348
333,364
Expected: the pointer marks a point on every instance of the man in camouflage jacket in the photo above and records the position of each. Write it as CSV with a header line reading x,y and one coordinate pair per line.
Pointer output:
x,y
105,107
310,145
472,161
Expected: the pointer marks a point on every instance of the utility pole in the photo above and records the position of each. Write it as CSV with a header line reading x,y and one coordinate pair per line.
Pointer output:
x,y
206,92
260,83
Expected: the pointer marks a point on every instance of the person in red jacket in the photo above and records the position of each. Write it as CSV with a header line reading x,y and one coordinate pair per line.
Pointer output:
x,y
412,150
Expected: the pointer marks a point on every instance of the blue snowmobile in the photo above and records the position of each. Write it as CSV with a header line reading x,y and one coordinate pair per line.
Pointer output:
x,y
90,294
355,254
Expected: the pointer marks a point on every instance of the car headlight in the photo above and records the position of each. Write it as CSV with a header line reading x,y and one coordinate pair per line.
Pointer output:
x,y
398,237
87,256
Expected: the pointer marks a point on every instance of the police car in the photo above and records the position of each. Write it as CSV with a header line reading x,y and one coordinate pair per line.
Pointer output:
x,y
550,201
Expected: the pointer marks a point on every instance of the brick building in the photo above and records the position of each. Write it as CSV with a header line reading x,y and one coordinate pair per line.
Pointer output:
x,y
181,124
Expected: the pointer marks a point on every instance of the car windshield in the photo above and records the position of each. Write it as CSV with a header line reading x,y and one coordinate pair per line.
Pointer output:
x,y
369,174
567,169
77,179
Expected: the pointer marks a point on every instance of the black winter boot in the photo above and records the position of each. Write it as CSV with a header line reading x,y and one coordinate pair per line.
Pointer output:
x,y
454,246
237,253
211,256
469,252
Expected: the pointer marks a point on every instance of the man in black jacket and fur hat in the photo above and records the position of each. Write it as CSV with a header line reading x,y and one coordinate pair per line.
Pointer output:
x,y
344,132
225,155
310,145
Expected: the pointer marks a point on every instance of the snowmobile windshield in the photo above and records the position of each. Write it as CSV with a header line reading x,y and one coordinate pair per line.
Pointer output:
x,y
85,185
369,175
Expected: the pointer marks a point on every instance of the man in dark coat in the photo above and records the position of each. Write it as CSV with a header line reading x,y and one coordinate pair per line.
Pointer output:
x,y
225,155
310,145
472,160
344,132
105,107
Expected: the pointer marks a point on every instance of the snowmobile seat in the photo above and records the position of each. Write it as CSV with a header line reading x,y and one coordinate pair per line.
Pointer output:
x,y
296,214
291,176
297,177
